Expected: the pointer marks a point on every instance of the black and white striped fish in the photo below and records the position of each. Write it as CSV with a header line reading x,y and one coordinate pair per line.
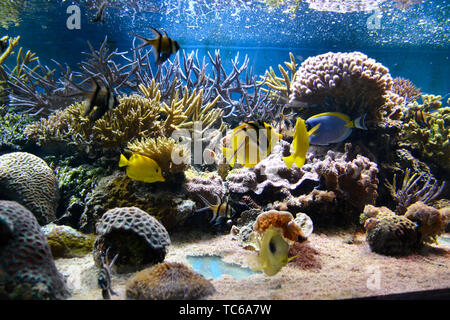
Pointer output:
x,y
104,277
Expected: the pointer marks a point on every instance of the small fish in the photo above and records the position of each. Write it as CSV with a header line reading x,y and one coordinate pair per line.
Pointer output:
x,y
100,15
100,100
334,127
273,252
141,168
250,143
300,144
221,210
163,46
104,277
423,118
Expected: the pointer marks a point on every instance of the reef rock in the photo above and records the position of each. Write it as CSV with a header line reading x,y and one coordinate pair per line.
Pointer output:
x,y
209,186
66,242
135,235
431,221
27,269
168,281
27,179
271,175
389,234
280,219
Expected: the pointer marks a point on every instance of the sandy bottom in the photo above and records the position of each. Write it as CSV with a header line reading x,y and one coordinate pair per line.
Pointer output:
x,y
348,270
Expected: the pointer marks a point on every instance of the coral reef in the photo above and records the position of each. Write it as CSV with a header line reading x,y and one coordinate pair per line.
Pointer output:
x,y
171,156
430,141
349,82
168,281
167,205
27,179
405,89
12,126
66,242
209,186
431,221
279,219
414,189
135,235
27,269
388,233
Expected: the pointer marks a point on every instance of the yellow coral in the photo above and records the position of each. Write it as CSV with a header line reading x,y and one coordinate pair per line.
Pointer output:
x,y
171,156
281,84
431,141
12,43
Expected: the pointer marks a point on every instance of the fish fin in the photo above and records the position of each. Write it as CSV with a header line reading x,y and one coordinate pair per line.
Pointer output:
x,y
314,129
292,258
231,161
162,58
289,160
123,161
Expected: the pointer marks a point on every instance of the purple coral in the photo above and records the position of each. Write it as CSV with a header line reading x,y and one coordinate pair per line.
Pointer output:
x,y
210,188
348,82
27,269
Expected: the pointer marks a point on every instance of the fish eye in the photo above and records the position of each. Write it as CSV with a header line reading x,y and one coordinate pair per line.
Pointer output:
x,y
272,247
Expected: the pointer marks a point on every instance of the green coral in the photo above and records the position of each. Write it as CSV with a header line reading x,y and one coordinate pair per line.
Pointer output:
x,y
430,140
12,126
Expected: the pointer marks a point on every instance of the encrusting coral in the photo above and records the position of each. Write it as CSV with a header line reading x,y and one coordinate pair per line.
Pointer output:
x,y
348,82
168,281
27,269
388,233
28,179
135,235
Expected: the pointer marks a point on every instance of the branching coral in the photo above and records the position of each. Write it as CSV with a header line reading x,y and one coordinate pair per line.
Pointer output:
x,y
171,156
405,89
347,82
12,43
431,140
414,189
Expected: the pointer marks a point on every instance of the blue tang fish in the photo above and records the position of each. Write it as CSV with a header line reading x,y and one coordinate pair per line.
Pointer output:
x,y
334,127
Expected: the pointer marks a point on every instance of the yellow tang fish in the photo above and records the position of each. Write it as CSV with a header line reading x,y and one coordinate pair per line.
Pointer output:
x,y
141,168
250,143
273,252
300,144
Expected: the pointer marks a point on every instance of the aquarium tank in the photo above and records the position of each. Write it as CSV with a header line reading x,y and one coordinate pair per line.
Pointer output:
x,y
262,150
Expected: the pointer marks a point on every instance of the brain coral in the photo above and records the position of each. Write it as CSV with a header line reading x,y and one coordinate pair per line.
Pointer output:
x,y
27,270
168,281
136,236
348,82
27,179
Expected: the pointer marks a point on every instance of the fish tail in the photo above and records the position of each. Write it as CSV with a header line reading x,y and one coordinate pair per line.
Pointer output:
x,y
360,122
123,161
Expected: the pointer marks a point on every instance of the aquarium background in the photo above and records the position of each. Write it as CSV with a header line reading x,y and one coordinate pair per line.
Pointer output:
x,y
413,40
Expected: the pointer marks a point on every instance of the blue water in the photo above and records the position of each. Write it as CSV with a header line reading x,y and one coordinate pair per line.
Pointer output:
x,y
213,267
412,43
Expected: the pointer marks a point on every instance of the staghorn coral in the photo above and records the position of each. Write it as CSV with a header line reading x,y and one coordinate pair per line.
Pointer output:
x,y
431,142
168,281
348,82
171,156
412,191
12,43
27,269
388,233
279,219
28,179
431,221
135,235
405,89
